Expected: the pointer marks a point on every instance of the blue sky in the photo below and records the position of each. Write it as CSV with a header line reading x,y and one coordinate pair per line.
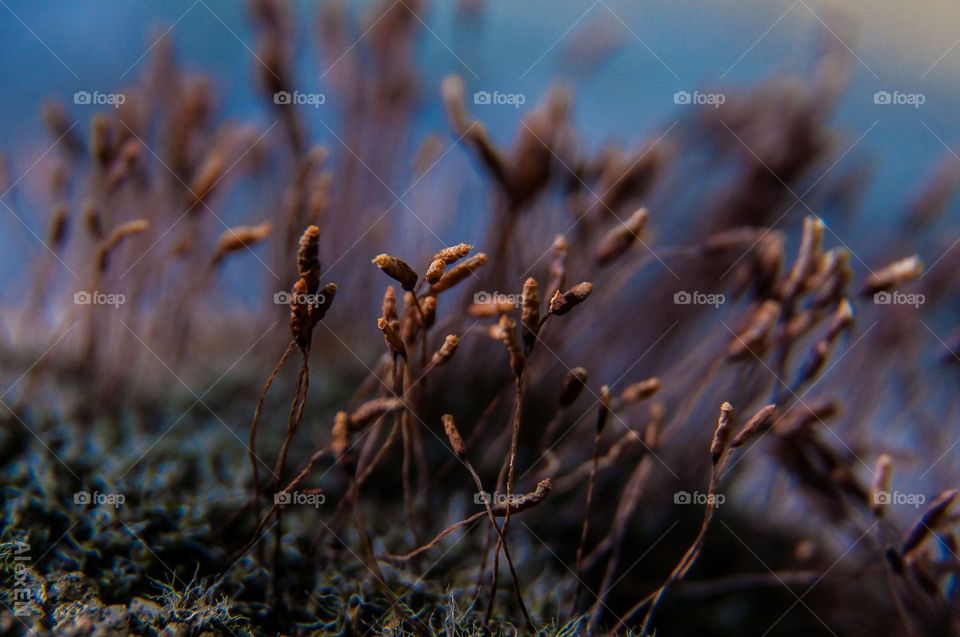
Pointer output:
x,y
55,48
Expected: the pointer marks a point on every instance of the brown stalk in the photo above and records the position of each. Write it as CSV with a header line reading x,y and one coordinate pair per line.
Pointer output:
x,y
693,552
460,450
603,412
516,505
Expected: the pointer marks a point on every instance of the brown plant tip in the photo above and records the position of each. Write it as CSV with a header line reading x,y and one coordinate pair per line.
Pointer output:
x,y
207,177
641,390
452,93
842,319
92,220
115,238
573,384
435,271
459,272
893,275
753,340
453,435
446,351
815,361
603,409
429,306
722,433
123,165
651,434
59,227
530,313
411,322
558,265
368,412
101,143
525,501
451,255
319,310
619,240
807,258
759,422
930,519
832,277
880,489
392,338
341,435
235,239
388,309
563,302
508,336
308,258
300,323
397,270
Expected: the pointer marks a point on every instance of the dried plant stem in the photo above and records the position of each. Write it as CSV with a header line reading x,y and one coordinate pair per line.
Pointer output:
x,y
252,441
478,430
296,413
625,510
293,484
370,561
357,483
402,380
585,527
511,460
506,550
528,501
686,562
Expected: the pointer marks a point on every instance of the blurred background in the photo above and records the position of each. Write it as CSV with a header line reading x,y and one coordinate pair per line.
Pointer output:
x,y
624,60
